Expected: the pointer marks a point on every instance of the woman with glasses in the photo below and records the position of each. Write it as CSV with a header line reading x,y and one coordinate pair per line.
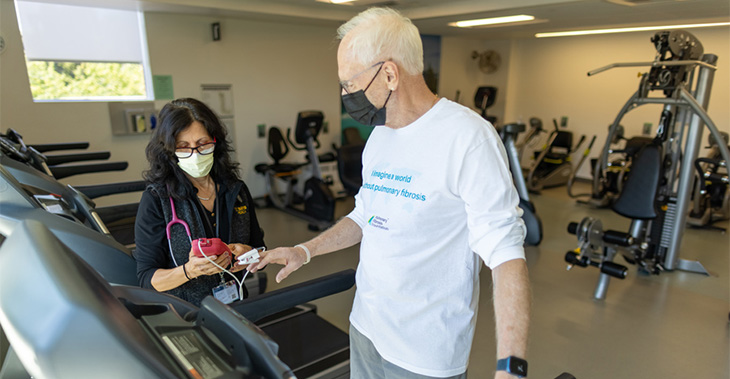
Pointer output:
x,y
194,191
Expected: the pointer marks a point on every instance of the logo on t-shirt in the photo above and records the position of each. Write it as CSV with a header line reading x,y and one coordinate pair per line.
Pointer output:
x,y
378,222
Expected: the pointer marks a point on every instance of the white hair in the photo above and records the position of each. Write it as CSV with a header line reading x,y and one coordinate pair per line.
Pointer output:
x,y
384,34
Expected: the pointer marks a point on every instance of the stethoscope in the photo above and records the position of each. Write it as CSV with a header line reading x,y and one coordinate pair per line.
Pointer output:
x,y
176,220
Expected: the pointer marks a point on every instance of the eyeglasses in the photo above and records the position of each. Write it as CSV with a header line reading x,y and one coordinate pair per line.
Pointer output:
x,y
346,85
187,152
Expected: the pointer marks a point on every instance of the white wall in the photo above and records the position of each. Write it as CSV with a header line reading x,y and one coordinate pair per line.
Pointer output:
x,y
459,72
276,70
548,80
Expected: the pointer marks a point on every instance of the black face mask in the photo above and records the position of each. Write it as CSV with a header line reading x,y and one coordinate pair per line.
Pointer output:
x,y
361,109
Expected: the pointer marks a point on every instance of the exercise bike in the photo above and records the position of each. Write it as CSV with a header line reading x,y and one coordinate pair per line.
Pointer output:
x,y
656,196
319,202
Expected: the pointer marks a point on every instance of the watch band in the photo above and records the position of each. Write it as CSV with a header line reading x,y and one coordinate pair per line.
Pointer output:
x,y
513,365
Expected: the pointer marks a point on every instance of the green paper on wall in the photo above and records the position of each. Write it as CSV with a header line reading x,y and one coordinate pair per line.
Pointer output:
x,y
162,85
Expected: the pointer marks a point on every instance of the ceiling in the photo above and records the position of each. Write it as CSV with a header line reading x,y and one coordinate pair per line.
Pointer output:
x,y
433,16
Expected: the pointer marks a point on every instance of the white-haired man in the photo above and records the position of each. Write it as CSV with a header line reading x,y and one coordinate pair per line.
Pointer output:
x,y
437,200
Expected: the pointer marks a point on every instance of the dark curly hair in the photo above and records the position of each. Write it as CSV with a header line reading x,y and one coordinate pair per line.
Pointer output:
x,y
175,117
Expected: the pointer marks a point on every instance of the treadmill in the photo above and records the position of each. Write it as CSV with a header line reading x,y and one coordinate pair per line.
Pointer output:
x,y
68,322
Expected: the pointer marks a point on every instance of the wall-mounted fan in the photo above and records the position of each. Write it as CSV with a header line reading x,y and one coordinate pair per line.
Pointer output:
x,y
488,61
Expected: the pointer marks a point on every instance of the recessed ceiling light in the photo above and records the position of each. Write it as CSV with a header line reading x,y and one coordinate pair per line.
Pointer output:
x,y
337,1
492,21
626,30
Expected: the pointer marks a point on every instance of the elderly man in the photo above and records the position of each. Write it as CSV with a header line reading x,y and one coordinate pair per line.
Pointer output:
x,y
437,200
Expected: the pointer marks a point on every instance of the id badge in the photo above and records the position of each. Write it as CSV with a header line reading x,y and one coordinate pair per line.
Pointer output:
x,y
226,292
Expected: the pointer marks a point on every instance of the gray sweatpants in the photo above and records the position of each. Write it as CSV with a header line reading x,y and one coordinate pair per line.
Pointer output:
x,y
366,363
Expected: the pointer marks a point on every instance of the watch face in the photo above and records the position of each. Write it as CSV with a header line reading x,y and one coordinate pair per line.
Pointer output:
x,y
518,366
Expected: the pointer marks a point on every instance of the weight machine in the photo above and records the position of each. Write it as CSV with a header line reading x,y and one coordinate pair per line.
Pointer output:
x,y
657,195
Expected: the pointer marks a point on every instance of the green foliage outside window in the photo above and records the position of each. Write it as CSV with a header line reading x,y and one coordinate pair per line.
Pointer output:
x,y
84,80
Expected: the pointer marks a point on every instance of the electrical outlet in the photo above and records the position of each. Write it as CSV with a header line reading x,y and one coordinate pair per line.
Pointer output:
x,y
564,122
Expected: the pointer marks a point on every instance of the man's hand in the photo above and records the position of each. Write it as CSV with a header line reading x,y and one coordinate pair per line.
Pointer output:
x,y
292,258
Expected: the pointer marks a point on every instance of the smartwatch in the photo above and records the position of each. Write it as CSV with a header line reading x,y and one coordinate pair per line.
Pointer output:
x,y
513,365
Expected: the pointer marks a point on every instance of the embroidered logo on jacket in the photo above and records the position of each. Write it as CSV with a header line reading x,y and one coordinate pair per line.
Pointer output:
x,y
241,210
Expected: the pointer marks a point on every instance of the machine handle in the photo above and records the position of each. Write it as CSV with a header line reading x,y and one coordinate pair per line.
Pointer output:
x,y
94,191
618,238
293,145
42,148
66,158
572,227
60,172
590,145
572,258
258,307
652,64
580,142
614,269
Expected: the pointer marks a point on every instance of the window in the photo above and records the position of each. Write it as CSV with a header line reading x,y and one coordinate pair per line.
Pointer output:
x,y
76,53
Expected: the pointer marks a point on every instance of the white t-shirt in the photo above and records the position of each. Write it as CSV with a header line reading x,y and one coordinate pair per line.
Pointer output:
x,y
434,192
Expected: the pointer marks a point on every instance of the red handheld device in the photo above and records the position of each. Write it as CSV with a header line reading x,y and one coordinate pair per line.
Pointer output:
x,y
211,247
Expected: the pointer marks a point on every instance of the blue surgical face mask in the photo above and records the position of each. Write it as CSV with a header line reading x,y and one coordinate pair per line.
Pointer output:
x,y
361,109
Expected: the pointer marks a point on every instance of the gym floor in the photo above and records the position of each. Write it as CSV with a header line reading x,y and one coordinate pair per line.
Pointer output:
x,y
674,325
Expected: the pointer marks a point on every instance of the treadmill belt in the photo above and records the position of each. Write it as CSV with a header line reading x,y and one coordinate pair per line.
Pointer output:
x,y
309,344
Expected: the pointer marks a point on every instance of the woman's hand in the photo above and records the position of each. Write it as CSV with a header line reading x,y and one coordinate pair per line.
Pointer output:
x,y
238,249
197,266
292,258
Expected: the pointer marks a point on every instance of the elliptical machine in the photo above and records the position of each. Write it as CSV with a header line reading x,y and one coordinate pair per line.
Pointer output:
x,y
656,196
609,178
711,199
319,202
552,166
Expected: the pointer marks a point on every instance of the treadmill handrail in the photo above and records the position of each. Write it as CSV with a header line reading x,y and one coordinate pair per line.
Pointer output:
x,y
79,157
42,148
99,190
258,307
60,172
